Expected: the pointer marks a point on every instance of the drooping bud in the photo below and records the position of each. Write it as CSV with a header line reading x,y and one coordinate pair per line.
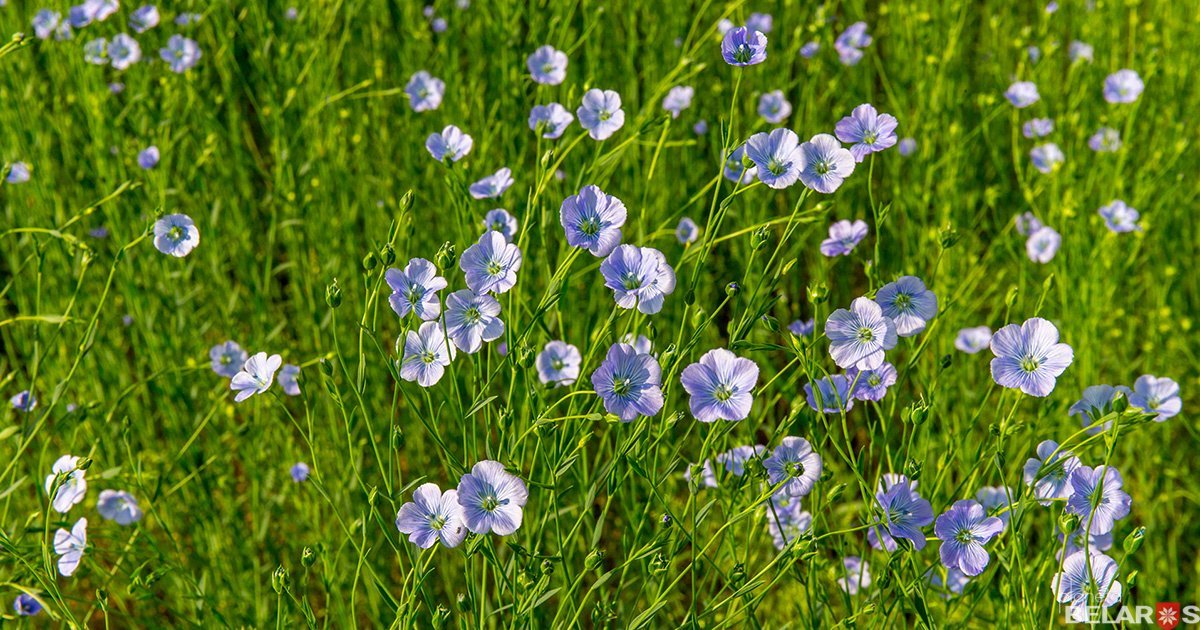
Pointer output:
x,y
593,559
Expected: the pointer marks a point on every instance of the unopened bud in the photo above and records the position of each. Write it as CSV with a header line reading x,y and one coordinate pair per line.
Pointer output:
x,y
446,256
333,294
738,577
279,580
1134,539
593,559
440,616
912,469
760,238
818,293
948,237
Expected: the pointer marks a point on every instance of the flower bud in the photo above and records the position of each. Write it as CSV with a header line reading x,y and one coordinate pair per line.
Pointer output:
x,y
733,289
447,255
760,238
771,323
388,254
593,559
1134,540
333,294
912,469
1068,522
547,567
738,577
406,201
818,293
279,580
948,237
916,413
308,557
463,603
440,616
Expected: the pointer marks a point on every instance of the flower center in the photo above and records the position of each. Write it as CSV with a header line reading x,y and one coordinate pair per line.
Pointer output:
x,y
824,167
866,334
590,226
873,380
870,137
471,315
557,364
723,393
437,522
494,268
795,469
776,167
903,302
428,357
742,54
490,502
963,536
630,281
622,386
605,115
175,233
1029,363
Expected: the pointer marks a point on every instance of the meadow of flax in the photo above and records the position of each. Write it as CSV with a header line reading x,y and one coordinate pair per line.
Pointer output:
x,y
598,314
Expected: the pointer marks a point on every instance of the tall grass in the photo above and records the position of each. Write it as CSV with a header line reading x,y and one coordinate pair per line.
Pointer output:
x,y
293,147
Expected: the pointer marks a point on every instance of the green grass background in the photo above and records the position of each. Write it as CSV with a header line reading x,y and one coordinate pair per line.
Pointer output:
x,y
292,145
